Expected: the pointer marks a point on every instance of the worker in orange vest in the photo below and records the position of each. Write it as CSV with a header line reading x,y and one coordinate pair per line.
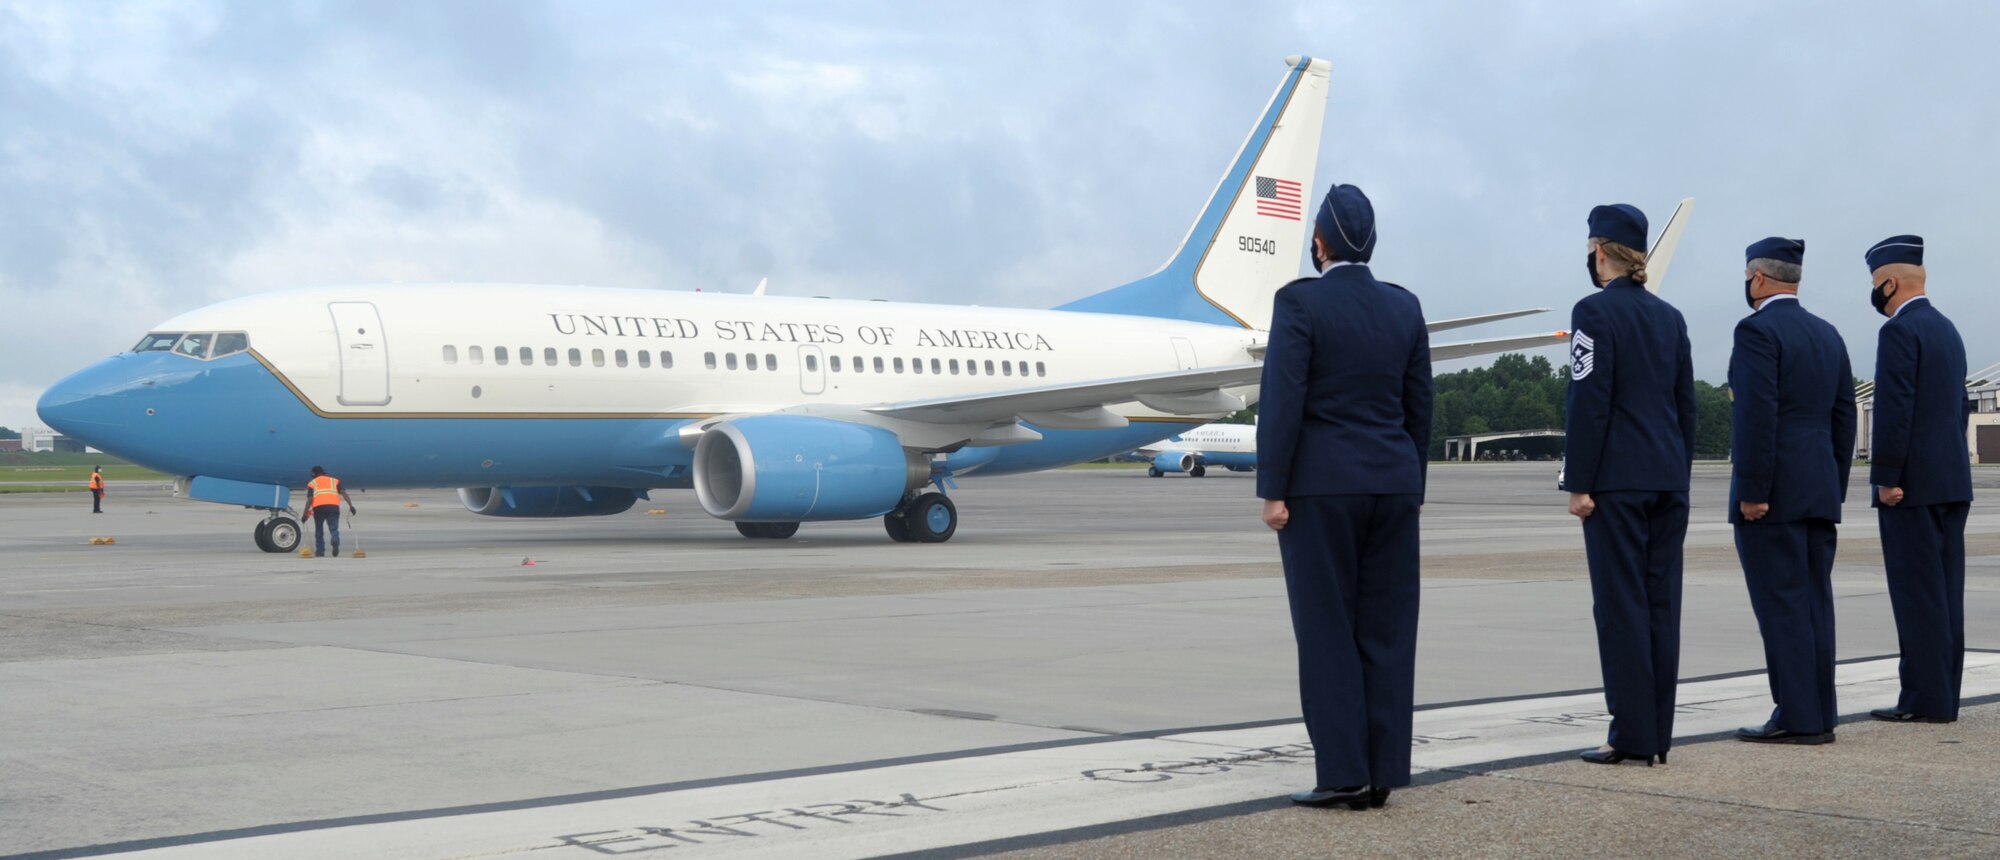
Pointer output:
x,y
97,489
324,495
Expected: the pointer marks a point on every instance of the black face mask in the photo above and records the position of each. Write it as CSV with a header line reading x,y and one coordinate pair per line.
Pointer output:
x,y
1590,265
1319,262
1749,299
1879,298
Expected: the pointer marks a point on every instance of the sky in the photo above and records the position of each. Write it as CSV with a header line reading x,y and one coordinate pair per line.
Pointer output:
x,y
159,156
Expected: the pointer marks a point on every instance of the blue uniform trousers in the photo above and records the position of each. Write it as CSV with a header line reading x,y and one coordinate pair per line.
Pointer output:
x,y
1351,572
1923,548
325,517
1789,569
1633,541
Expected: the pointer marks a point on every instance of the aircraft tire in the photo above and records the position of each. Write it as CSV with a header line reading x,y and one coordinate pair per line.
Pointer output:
x,y
262,535
750,530
282,534
931,518
1153,472
780,531
1198,471
897,527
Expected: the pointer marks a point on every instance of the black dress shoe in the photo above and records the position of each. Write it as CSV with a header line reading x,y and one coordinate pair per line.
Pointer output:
x,y
1356,797
1769,733
1614,757
1898,715
1378,798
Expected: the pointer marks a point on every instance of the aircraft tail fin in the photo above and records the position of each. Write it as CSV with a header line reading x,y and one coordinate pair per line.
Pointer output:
x,y
1255,229
1662,254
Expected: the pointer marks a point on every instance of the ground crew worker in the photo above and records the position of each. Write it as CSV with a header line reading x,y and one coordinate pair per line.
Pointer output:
x,y
1792,447
323,508
97,489
1342,441
1628,447
1922,473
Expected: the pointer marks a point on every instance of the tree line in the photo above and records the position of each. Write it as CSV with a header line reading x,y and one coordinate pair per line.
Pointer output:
x,y
1521,393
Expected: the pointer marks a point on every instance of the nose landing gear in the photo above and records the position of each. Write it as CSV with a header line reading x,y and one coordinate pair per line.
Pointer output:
x,y
280,533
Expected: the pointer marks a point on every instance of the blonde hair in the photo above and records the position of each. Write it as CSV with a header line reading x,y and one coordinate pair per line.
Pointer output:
x,y
1633,261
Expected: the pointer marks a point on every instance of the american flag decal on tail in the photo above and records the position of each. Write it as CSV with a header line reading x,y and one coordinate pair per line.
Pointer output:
x,y
1279,198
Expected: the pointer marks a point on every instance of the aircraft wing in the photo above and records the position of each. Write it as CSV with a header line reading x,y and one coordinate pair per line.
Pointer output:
x,y
1081,405
1482,319
1467,349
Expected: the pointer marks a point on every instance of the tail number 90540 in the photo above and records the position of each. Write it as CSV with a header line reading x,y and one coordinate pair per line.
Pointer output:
x,y
1255,245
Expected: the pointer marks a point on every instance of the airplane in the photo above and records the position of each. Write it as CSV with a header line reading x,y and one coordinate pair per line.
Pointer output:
x,y
1230,446
559,401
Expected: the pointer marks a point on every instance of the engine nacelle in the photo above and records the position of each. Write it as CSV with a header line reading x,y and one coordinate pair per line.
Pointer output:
x,y
1173,461
794,468
540,502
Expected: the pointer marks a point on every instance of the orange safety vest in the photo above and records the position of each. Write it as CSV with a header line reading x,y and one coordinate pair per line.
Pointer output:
x,y
97,480
325,491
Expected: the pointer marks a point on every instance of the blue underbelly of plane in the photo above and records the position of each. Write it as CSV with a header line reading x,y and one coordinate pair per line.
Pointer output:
x,y
231,418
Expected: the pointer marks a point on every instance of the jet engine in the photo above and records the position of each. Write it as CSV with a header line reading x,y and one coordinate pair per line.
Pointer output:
x,y
795,468
1174,461
539,502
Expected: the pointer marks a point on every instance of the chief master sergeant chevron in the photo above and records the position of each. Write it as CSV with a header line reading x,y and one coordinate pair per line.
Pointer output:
x,y
1343,434
1627,450
1922,474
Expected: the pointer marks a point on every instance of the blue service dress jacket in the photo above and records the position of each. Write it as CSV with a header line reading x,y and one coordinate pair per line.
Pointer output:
x,y
1792,432
1918,442
1630,421
1346,401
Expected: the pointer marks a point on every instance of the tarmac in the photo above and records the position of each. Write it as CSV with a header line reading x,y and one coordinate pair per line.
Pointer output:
x,y
1098,664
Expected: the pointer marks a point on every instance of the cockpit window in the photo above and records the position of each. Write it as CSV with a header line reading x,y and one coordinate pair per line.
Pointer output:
x,y
194,345
158,341
229,343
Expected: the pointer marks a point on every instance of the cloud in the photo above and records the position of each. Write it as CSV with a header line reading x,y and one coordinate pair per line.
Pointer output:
x,y
159,156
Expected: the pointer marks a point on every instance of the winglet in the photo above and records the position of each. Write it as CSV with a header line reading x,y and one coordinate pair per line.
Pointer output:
x,y
1662,254
761,284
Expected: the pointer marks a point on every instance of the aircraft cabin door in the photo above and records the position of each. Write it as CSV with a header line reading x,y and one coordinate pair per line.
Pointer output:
x,y
364,354
1184,354
812,370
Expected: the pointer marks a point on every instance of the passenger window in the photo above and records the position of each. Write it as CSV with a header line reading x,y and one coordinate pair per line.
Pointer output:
x,y
474,355
937,366
450,354
770,361
549,356
812,363
194,345
1041,369
899,365
832,362
499,355
989,367
575,357
729,360
666,359
916,365
230,343
862,366
1024,368
645,358
709,359
527,356
954,367
619,357
1006,368
751,361
597,358
157,342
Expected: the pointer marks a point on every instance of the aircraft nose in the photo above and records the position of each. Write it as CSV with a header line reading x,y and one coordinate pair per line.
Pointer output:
x,y
84,404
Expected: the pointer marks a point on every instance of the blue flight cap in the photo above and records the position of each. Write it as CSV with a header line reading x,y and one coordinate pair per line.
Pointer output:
x,y
1619,222
1896,249
1346,223
1778,248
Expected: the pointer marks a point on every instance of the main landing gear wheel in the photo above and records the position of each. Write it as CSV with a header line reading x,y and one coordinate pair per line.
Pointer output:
x,y
1198,471
897,527
279,534
1153,472
767,531
931,518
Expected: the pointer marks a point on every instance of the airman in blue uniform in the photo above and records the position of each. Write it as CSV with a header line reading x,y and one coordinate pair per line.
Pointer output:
x,y
1792,445
1343,435
1922,474
1628,447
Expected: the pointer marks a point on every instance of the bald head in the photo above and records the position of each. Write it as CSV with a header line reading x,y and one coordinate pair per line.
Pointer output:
x,y
1899,283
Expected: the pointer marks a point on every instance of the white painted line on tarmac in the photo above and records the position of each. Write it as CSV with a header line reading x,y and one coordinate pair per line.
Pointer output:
x,y
937,804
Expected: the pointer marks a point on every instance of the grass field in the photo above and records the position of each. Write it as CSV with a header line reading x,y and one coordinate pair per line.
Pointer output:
x,y
57,473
